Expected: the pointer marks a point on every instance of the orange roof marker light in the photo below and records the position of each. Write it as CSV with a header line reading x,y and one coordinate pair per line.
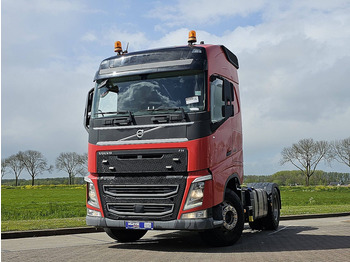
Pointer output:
x,y
118,47
192,37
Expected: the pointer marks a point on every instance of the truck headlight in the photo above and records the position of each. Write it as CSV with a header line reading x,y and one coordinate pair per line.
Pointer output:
x,y
92,198
196,192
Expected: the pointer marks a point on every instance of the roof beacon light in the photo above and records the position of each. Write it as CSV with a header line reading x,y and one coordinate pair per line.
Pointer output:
x,y
192,37
118,47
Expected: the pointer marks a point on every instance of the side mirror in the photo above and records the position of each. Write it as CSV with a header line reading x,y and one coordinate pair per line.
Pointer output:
x,y
227,97
227,111
88,106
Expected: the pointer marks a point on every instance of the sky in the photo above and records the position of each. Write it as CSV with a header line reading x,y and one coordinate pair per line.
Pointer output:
x,y
294,67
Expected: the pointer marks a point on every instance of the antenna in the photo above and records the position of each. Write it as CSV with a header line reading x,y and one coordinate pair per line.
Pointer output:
x,y
126,50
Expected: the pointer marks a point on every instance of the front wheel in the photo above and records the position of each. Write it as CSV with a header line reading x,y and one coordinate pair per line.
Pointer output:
x,y
125,235
231,212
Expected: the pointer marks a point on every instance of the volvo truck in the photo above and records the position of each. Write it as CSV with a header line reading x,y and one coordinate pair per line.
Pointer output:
x,y
165,147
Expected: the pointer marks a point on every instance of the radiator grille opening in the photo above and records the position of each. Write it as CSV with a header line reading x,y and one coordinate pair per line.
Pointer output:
x,y
141,190
124,209
132,196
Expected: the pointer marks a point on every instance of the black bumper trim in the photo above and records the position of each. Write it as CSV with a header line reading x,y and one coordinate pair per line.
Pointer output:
x,y
183,224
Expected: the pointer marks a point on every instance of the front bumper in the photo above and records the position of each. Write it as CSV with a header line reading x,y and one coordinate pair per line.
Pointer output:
x,y
183,224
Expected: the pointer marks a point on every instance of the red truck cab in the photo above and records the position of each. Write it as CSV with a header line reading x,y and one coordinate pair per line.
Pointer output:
x,y
165,145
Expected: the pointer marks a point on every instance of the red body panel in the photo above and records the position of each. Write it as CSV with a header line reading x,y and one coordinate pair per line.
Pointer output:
x,y
228,137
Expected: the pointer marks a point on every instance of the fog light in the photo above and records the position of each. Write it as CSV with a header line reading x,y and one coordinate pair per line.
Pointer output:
x,y
197,214
93,213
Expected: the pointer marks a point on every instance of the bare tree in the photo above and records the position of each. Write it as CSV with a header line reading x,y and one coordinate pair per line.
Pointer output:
x,y
85,164
34,162
72,163
15,164
341,151
305,155
3,167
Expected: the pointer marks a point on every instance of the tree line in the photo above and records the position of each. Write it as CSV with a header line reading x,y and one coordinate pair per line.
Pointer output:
x,y
79,180
305,155
35,164
295,177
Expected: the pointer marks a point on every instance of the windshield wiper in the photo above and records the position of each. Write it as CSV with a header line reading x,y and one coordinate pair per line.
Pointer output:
x,y
173,118
114,112
166,109
122,120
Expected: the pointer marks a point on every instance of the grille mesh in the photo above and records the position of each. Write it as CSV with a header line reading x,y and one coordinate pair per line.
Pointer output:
x,y
154,197
140,190
141,209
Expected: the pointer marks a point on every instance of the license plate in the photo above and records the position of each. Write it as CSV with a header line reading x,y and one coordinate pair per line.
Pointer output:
x,y
139,225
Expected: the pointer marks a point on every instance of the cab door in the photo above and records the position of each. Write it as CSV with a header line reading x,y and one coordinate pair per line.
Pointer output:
x,y
221,109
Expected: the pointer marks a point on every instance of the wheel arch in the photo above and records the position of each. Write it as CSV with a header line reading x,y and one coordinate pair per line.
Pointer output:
x,y
233,184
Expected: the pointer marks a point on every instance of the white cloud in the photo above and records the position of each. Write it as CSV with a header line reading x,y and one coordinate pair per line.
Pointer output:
x,y
46,6
202,12
89,37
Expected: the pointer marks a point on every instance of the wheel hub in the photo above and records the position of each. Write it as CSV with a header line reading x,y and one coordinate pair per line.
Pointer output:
x,y
230,217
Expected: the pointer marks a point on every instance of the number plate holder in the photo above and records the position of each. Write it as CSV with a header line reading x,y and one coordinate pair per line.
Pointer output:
x,y
139,225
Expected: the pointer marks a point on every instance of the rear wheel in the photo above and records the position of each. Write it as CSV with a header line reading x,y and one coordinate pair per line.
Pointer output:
x,y
272,220
125,235
231,212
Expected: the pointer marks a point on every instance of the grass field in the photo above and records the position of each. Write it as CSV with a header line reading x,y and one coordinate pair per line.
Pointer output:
x,y
59,206
42,207
314,200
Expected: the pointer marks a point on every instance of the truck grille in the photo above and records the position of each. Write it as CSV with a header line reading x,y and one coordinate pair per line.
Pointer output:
x,y
140,190
132,196
140,209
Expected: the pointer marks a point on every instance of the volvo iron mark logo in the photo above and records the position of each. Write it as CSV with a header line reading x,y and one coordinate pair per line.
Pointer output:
x,y
139,133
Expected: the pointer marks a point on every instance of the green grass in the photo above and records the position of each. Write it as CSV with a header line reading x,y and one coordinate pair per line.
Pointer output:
x,y
42,202
316,209
53,223
314,200
46,207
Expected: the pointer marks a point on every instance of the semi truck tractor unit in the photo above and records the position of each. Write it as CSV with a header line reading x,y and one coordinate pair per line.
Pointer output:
x,y
165,147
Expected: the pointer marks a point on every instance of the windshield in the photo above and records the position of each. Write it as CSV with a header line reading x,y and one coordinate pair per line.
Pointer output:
x,y
147,94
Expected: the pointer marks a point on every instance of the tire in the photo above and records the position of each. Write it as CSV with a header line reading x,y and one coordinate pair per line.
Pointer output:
x,y
231,212
272,220
125,235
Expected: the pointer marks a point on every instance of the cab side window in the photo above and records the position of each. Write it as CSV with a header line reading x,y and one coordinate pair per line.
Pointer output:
x,y
216,87
221,99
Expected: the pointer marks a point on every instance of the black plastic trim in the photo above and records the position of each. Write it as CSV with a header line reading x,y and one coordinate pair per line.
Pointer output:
x,y
196,125
180,224
231,57
234,177
127,179
153,56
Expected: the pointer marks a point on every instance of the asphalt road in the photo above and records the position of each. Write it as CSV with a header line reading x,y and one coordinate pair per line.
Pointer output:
x,y
323,239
